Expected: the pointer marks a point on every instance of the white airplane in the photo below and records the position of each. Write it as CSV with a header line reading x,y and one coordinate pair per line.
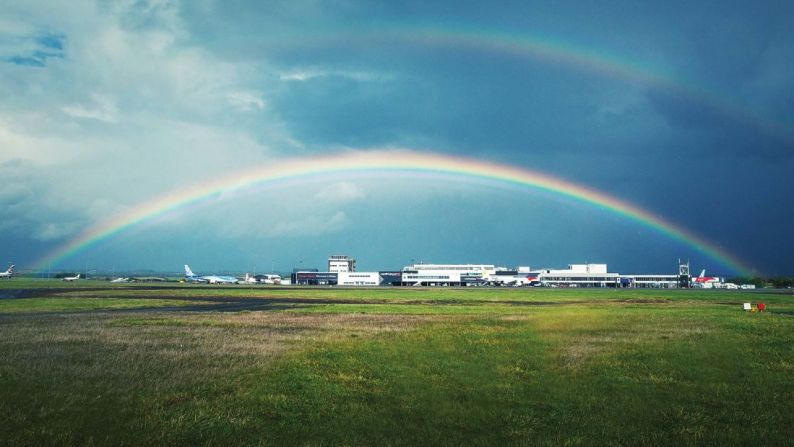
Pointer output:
x,y
8,273
209,279
121,280
270,279
519,280
262,279
72,278
524,281
249,279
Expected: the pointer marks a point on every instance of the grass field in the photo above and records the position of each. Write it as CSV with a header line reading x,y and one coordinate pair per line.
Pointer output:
x,y
93,364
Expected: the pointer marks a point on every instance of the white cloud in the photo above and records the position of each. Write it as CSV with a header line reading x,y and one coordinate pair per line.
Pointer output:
x,y
308,74
178,112
340,192
44,149
102,108
52,231
10,27
246,100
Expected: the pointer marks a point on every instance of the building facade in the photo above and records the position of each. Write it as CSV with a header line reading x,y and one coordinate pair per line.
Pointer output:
x,y
341,263
304,278
341,271
650,281
445,274
579,275
358,279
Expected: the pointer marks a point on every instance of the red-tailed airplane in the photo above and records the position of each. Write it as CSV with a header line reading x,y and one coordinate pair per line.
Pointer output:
x,y
703,279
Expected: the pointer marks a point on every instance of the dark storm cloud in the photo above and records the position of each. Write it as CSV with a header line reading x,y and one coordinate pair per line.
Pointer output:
x,y
730,64
29,220
477,101
496,104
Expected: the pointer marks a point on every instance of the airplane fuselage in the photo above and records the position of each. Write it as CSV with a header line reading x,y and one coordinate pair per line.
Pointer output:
x,y
212,279
209,279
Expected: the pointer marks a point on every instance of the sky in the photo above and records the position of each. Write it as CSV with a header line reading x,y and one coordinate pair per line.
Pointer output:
x,y
683,109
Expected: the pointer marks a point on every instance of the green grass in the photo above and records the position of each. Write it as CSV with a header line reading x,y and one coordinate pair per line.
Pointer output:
x,y
558,376
41,283
32,305
407,367
436,294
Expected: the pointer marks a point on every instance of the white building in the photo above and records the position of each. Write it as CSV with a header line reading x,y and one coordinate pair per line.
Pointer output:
x,y
341,263
445,274
579,275
358,279
596,275
650,281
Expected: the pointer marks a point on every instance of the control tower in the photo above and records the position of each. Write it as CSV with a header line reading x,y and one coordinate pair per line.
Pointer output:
x,y
684,276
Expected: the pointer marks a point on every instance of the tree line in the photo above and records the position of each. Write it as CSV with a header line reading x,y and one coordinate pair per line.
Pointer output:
x,y
780,282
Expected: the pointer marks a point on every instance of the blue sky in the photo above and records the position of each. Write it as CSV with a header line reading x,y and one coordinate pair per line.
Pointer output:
x,y
109,104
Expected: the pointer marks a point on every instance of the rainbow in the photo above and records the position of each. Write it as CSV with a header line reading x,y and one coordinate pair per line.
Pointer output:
x,y
376,162
544,48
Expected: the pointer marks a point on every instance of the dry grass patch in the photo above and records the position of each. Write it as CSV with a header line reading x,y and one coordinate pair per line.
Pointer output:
x,y
131,373
580,336
525,317
588,346
166,351
577,354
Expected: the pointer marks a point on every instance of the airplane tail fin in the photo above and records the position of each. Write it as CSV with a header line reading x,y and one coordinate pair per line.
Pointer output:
x,y
10,269
188,272
702,273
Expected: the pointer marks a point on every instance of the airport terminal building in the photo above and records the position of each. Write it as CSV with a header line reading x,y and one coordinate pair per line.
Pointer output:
x,y
342,273
576,275
596,275
445,274
372,279
579,275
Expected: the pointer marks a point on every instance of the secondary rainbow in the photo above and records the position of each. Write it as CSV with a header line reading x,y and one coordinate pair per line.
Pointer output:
x,y
387,161
521,43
